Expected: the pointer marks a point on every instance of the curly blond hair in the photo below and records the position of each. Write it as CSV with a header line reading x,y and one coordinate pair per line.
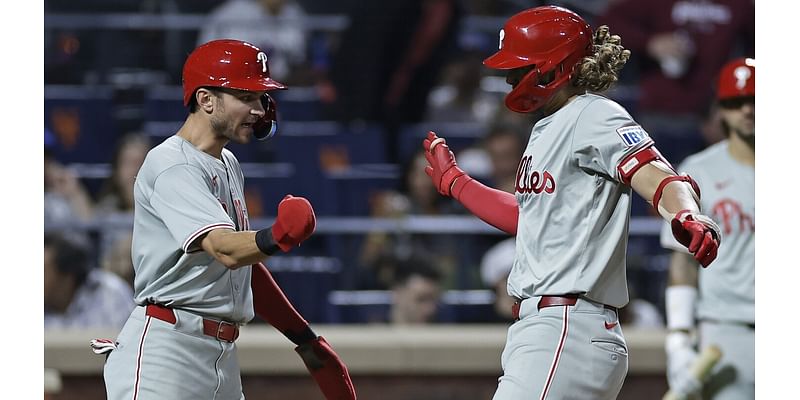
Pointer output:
x,y
598,71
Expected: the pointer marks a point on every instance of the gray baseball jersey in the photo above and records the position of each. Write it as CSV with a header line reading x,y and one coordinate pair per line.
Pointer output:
x,y
574,211
182,193
726,301
571,239
727,187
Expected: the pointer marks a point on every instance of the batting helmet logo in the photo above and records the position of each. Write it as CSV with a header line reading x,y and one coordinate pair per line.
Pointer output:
x,y
262,58
552,39
737,79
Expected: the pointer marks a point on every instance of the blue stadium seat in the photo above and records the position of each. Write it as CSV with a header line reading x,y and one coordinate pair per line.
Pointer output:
x,y
82,118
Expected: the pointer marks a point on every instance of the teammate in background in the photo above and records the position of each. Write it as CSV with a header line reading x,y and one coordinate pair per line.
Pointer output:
x,y
571,207
416,292
198,270
718,304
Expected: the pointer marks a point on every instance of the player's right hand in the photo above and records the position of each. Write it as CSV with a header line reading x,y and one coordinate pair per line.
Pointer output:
x,y
295,222
442,167
680,357
327,369
699,233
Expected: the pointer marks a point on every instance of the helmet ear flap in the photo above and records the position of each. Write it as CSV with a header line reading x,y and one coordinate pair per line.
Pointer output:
x,y
267,125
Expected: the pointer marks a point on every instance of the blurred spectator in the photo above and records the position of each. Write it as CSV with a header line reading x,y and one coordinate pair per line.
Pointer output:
x,y
117,259
76,295
416,292
387,61
114,208
497,156
679,46
275,26
459,97
495,266
116,194
66,200
416,196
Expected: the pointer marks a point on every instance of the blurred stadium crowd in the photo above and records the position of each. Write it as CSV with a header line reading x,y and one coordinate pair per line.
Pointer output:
x,y
367,80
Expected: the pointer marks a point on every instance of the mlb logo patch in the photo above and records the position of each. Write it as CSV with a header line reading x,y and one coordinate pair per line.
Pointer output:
x,y
632,135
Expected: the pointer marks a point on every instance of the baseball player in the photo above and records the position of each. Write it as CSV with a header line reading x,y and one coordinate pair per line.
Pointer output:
x,y
571,206
198,270
718,304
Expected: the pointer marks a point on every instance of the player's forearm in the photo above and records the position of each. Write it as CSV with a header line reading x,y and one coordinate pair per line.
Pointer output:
x,y
495,207
233,249
674,197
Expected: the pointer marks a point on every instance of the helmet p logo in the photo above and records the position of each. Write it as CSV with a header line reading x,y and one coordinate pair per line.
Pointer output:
x,y
742,74
262,58
502,36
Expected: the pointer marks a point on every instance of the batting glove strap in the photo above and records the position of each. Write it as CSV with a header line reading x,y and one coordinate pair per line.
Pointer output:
x,y
301,338
265,242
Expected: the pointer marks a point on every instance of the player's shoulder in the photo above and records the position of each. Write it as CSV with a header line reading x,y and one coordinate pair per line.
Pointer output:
x,y
170,152
702,158
591,109
599,104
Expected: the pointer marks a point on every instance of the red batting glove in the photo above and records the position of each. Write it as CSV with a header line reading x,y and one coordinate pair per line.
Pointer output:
x,y
327,369
699,233
442,167
295,222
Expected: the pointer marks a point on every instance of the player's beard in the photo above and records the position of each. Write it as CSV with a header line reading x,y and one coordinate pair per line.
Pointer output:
x,y
748,138
227,128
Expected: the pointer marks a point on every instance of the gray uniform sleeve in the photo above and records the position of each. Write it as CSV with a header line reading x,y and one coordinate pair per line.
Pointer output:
x,y
605,135
183,200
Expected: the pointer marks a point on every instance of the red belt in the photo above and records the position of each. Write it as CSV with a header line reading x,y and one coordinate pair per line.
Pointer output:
x,y
221,330
550,301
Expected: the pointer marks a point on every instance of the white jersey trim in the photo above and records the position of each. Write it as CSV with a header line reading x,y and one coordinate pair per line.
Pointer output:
x,y
202,231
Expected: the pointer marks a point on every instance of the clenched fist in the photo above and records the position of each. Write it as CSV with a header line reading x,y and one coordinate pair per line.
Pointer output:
x,y
699,233
295,222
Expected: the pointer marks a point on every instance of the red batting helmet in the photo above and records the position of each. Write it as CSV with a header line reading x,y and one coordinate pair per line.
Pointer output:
x,y
550,38
737,79
232,64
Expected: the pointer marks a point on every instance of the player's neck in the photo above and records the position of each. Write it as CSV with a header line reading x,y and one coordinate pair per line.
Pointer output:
x,y
741,150
560,99
198,133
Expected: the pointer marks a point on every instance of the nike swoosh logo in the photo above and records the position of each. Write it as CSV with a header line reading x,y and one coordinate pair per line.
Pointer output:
x,y
611,325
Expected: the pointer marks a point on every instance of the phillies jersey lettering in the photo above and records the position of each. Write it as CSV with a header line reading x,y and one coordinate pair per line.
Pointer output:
x,y
532,181
732,217
574,209
181,194
727,190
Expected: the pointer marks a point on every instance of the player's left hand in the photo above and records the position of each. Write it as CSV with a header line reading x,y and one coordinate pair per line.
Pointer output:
x,y
442,166
295,222
327,369
699,233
